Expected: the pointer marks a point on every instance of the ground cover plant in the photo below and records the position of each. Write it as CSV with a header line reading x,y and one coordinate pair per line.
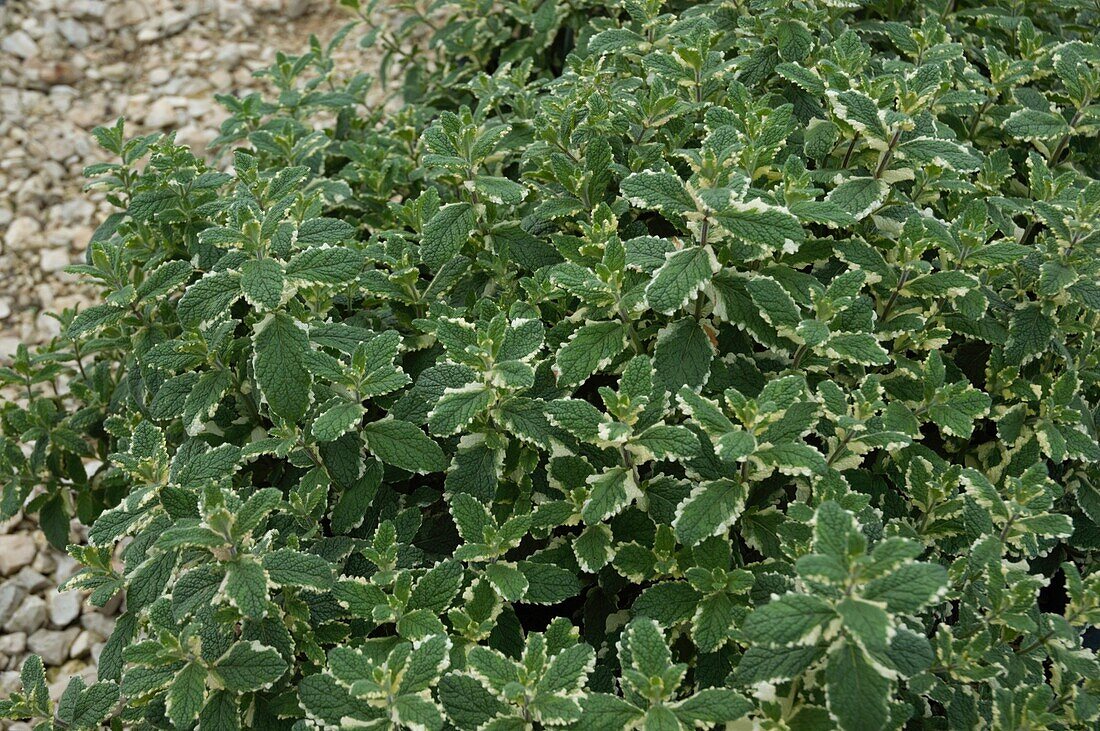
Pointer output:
x,y
656,365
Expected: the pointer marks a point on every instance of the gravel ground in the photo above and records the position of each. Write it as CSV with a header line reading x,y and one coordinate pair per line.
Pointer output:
x,y
65,67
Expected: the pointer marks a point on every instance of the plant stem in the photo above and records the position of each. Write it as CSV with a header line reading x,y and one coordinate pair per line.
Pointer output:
x,y
848,152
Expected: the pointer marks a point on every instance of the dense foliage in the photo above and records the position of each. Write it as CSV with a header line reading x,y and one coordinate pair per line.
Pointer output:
x,y
655,365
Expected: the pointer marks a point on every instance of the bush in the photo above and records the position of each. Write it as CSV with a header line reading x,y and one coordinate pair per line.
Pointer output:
x,y
660,366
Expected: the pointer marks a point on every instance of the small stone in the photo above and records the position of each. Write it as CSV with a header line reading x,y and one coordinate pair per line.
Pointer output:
x,y
74,667
16,550
29,617
52,645
13,643
88,8
20,230
221,79
10,683
31,580
296,8
11,524
97,623
8,346
44,563
174,21
19,44
66,567
82,645
75,33
131,13
5,308
11,596
60,148
53,260
161,114
159,75
54,73
64,607
114,71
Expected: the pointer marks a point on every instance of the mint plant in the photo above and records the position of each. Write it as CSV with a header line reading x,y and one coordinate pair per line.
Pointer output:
x,y
656,365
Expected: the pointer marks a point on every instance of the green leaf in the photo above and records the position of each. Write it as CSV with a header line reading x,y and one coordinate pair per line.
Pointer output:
x,y
683,355
856,692
868,624
712,705
859,197
94,318
658,191
416,712
325,265
403,445
792,619
956,407
281,344
547,583
287,567
909,587
757,222
499,190
683,274
437,588
187,695
458,407
665,442
777,307
951,283
427,661
762,664
860,111
209,299
610,492
791,458
467,702
705,412
591,348
945,153
1029,334
262,283
249,666
246,587
162,280
508,580
446,233
337,420
593,548
604,712
95,704
318,231
837,534
643,647
859,348
1035,124
709,510
710,627
221,711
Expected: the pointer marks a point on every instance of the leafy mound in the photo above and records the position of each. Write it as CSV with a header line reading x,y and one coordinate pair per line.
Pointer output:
x,y
652,366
